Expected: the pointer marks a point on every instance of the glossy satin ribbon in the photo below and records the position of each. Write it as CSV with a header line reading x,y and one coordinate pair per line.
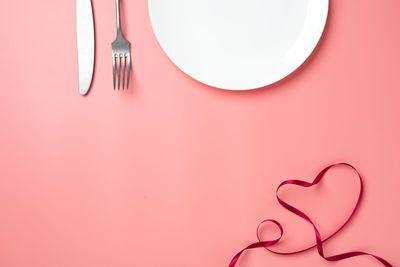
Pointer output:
x,y
319,240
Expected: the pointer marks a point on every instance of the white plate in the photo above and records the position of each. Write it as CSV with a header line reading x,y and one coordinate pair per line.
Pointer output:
x,y
238,44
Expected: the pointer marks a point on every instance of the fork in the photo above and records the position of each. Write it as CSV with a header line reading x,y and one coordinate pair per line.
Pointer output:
x,y
121,54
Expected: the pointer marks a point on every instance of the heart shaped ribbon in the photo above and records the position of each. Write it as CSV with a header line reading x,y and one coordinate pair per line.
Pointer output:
x,y
319,240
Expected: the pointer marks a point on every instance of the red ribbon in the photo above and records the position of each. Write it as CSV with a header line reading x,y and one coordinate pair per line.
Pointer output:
x,y
319,240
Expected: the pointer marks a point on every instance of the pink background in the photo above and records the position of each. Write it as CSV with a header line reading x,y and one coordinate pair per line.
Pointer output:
x,y
175,173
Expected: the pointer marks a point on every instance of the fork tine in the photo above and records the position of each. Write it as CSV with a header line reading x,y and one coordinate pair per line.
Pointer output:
x,y
128,58
123,71
119,70
114,69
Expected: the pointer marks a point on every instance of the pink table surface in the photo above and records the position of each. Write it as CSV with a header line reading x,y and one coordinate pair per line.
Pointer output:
x,y
175,173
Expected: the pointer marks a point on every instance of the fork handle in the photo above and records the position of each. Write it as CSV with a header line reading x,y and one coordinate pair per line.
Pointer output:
x,y
119,32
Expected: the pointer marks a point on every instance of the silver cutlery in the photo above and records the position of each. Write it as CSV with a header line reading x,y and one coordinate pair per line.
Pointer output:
x,y
121,55
85,43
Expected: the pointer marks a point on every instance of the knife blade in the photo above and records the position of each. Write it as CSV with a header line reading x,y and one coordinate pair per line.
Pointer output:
x,y
85,43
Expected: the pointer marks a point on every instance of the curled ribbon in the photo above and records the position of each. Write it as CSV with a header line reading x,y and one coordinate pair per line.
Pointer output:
x,y
319,240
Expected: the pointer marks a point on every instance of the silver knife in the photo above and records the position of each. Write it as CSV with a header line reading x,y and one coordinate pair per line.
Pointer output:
x,y
85,41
